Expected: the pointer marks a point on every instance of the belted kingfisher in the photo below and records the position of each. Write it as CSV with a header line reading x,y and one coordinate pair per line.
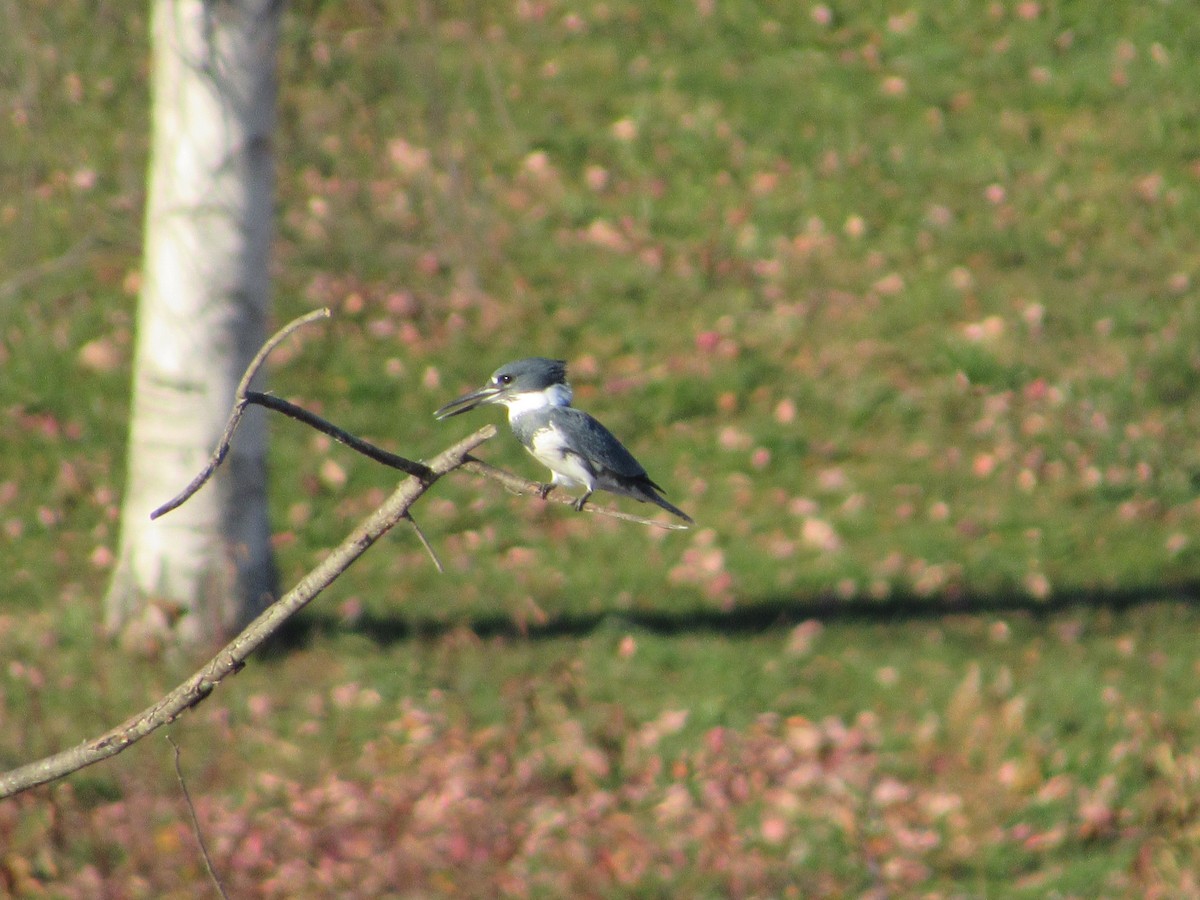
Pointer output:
x,y
579,451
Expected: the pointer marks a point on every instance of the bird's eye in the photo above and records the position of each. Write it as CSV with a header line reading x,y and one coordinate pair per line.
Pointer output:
x,y
503,379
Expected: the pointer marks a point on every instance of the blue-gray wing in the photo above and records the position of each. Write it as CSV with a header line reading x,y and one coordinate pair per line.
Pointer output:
x,y
611,465
593,442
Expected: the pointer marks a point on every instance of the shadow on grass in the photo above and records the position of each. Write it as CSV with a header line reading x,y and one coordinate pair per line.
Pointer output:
x,y
762,615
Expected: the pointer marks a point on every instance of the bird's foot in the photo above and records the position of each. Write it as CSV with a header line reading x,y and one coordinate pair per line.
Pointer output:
x,y
578,504
545,489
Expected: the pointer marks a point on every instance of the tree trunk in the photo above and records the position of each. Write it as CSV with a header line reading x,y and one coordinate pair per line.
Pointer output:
x,y
203,571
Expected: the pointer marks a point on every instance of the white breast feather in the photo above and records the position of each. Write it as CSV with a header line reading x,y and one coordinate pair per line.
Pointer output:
x,y
548,446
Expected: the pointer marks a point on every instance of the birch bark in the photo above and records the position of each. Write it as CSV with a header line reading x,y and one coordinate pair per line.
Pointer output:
x,y
201,573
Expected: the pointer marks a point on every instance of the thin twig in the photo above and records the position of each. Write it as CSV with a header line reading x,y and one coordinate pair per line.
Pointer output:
x,y
187,798
235,417
521,487
437,563
369,450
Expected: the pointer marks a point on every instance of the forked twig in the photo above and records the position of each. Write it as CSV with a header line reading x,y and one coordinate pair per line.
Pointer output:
x,y
239,407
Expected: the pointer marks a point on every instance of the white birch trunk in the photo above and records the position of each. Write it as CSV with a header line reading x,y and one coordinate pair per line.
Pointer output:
x,y
203,571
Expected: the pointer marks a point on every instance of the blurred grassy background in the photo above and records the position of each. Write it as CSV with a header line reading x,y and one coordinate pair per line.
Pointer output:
x,y
897,300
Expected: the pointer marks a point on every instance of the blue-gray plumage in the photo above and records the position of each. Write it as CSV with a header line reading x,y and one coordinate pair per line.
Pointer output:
x,y
578,450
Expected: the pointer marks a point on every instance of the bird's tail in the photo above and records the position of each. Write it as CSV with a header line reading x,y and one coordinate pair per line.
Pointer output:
x,y
670,507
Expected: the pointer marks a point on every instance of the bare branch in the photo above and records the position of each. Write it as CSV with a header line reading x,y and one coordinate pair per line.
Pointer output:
x,y
233,656
522,486
369,450
235,417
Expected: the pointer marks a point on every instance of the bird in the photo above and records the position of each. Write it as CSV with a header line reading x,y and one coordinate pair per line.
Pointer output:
x,y
578,450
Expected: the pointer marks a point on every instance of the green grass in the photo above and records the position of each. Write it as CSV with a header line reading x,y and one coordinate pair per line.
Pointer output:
x,y
899,305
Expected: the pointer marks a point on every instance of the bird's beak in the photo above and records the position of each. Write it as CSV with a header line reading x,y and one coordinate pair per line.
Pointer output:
x,y
468,402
